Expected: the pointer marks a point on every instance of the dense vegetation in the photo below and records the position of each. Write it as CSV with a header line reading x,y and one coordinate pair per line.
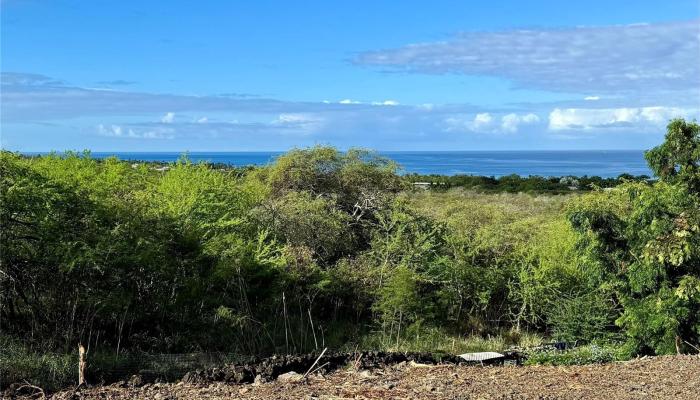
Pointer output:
x,y
520,184
324,248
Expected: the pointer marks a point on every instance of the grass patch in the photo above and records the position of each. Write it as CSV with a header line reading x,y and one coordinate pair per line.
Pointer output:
x,y
589,354
48,370
53,371
435,340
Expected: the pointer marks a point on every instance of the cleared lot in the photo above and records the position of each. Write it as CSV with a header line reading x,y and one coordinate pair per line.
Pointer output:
x,y
667,377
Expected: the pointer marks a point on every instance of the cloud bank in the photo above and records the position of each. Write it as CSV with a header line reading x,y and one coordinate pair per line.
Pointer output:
x,y
612,59
628,117
31,102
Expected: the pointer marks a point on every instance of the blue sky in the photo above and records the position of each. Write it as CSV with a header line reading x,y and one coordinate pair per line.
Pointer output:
x,y
270,75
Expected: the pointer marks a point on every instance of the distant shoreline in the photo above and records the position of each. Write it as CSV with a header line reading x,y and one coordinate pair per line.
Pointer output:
x,y
545,163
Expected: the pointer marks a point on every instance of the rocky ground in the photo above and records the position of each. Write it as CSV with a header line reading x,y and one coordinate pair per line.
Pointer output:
x,y
669,377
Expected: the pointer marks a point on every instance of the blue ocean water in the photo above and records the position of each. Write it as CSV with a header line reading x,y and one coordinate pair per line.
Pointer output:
x,y
604,163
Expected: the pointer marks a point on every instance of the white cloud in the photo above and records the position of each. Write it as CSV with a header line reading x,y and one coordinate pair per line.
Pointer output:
x,y
592,98
608,59
290,118
640,117
203,120
530,118
481,121
303,123
374,103
118,131
385,103
488,123
113,130
511,122
168,118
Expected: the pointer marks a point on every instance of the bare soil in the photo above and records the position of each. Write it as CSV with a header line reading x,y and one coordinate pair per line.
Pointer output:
x,y
668,377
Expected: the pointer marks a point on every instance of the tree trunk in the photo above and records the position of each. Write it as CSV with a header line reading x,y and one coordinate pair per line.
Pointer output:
x,y
82,364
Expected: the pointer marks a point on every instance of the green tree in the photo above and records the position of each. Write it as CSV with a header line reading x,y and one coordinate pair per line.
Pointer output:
x,y
677,159
644,245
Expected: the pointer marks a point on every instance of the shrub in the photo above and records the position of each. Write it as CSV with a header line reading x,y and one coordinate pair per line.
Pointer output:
x,y
583,317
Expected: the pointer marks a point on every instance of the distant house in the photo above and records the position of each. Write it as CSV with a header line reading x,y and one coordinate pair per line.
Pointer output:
x,y
422,185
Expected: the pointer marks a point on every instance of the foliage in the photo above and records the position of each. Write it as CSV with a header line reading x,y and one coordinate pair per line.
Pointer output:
x,y
328,248
676,160
520,184
19,364
643,244
584,317
439,341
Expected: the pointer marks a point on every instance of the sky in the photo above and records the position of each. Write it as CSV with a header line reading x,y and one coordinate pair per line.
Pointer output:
x,y
402,75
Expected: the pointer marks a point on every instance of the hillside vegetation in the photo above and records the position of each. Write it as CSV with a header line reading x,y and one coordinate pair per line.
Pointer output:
x,y
334,249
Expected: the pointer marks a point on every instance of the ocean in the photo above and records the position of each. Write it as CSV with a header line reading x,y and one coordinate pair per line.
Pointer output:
x,y
604,163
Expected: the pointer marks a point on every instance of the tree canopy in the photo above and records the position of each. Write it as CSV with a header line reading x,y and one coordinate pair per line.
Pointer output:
x,y
336,247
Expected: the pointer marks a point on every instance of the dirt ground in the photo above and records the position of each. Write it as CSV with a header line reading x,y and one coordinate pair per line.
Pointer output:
x,y
669,377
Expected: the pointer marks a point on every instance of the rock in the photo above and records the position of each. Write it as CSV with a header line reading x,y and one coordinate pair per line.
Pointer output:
x,y
290,376
135,380
259,380
260,370
366,374
239,375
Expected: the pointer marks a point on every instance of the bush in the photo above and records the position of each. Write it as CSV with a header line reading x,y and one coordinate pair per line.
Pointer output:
x,y
583,317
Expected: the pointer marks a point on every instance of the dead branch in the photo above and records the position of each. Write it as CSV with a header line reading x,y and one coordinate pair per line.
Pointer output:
x,y
315,362
38,391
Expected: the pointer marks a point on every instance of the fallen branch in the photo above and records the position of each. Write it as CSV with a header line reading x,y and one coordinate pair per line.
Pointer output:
x,y
356,364
419,365
315,362
686,342
326,363
39,391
